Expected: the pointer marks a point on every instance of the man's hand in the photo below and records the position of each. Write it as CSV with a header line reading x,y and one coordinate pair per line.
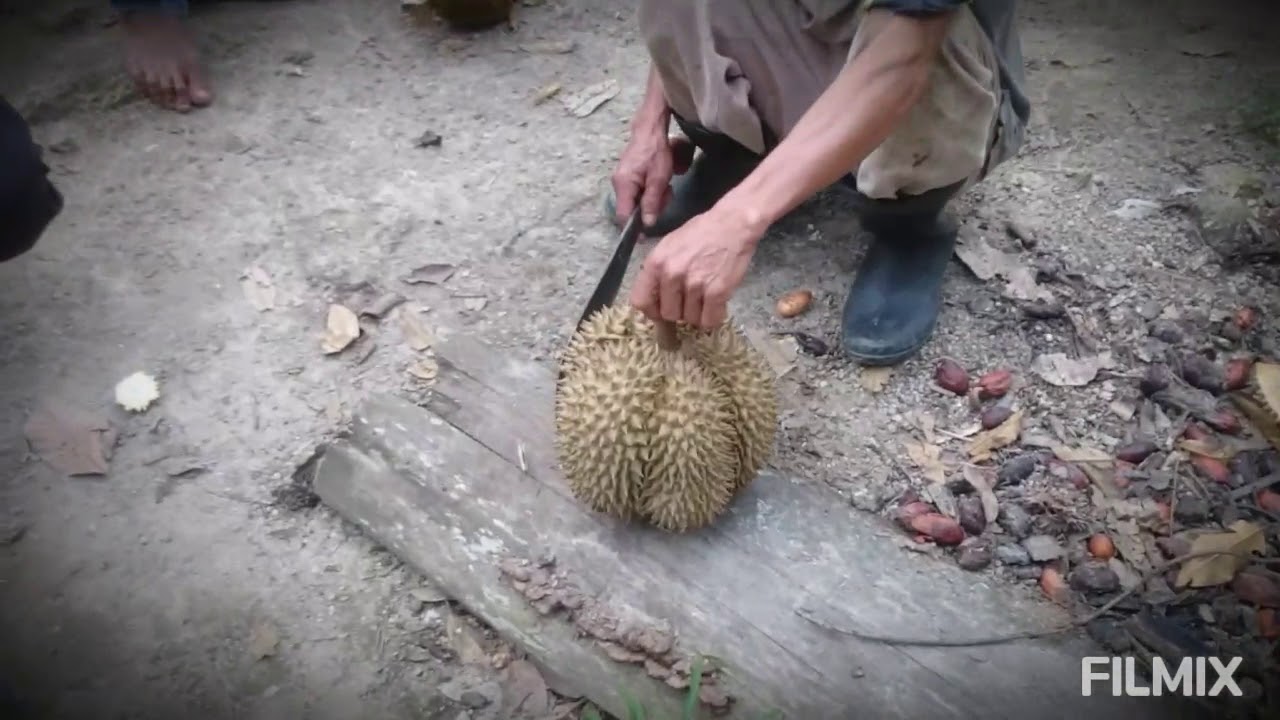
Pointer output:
x,y
692,272
643,176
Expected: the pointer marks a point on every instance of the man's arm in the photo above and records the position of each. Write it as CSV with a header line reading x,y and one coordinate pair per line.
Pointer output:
x,y
860,109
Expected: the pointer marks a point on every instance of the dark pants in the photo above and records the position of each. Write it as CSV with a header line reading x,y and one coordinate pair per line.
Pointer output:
x,y
28,201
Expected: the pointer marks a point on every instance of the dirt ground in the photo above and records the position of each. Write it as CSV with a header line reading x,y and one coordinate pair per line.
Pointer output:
x,y
179,583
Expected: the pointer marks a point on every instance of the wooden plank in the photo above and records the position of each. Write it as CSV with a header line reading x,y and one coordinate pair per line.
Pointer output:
x,y
454,490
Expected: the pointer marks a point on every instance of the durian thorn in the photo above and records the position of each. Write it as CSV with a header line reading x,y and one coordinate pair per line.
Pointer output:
x,y
668,339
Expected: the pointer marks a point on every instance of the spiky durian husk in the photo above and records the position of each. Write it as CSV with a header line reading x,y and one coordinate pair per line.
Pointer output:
x,y
665,437
693,462
751,391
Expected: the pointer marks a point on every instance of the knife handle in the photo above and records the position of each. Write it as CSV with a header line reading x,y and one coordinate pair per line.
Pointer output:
x,y
667,338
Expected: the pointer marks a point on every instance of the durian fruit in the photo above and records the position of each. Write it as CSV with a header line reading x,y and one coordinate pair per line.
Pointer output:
x,y
662,430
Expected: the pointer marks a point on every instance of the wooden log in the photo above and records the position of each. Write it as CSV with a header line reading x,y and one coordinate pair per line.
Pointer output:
x,y
467,488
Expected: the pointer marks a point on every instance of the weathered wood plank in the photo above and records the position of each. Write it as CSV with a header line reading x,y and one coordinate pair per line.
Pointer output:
x,y
455,489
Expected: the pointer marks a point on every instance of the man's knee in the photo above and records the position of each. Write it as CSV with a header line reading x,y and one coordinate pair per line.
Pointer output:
x,y
28,200
948,136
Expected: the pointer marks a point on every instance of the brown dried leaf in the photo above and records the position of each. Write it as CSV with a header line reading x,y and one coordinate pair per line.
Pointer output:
x,y
342,327
780,353
589,99
1241,539
978,479
1127,537
873,379
928,457
1098,465
430,274
70,440
988,441
1207,448
416,333
1058,369
424,369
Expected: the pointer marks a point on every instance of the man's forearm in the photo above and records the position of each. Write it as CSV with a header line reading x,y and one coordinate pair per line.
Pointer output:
x,y
653,115
861,108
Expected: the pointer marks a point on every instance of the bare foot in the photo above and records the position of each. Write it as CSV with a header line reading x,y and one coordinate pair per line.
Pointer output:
x,y
161,56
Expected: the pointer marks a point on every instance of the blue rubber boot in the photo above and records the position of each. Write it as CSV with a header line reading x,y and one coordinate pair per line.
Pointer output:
x,y
722,164
893,304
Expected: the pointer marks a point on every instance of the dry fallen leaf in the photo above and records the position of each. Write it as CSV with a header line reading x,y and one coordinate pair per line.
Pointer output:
x,y
258,288
464,642
70,440
549,47
988,441
987,263
1264,409
1123,410
1241,539
546,93
341,329
424,369
779,353
524,692
1058,369
928,457
263,640
1126,535
136,392
873,379
1207,448
430,274
1098,465
976,478
589,99
416,333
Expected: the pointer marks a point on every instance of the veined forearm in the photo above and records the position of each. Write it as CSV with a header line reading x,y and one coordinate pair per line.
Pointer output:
x,y
861,108
653,113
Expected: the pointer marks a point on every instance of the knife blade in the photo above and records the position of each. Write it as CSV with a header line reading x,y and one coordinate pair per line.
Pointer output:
x,y
607,289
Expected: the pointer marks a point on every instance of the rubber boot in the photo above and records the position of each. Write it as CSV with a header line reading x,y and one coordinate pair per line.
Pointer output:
x,y
722,164
28,200
894,301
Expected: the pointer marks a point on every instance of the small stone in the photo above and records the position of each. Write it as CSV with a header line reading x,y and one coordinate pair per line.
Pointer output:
x,y
1191,509
1173,547
971,515
1166,331
1200,372
1017,468
974,554
473,699
1013,555
1094,577
1042,548
868,498
1015,520
1150,310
